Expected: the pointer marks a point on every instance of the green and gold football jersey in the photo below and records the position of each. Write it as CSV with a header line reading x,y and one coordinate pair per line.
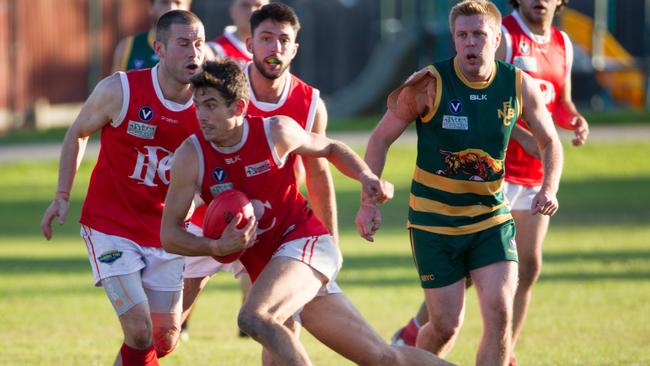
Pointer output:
x,y
462,141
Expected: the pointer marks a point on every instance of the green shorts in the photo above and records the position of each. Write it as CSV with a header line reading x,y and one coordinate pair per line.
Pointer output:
x,y
442,260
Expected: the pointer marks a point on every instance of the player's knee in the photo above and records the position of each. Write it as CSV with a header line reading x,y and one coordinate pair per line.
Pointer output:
x,y
529,271
165,339
138,334
497,311
446,328
251,322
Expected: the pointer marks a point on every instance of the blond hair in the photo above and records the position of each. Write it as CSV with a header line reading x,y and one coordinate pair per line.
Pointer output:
x,y
476,7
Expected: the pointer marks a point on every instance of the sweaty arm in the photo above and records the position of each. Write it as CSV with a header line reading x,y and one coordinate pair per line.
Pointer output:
x,y
541,125
320,185
182,186
102,106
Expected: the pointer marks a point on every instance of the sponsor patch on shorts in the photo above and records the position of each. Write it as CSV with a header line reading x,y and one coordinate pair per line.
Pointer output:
x,y
110,257
141,130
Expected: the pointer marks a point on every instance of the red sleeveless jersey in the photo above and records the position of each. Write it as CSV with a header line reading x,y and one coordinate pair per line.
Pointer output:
x,y
298,101
228,45
548,60
253,167
130,180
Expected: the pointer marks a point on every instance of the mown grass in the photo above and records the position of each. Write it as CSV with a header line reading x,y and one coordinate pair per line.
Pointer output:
x,y
590,306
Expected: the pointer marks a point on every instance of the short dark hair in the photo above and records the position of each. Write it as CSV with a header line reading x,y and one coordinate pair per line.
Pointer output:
x,y
226,76
165,22
277,12
515,5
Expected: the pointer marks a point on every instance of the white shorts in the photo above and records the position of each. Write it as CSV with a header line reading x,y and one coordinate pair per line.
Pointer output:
x,y
199,267
520,198
318,252
112,255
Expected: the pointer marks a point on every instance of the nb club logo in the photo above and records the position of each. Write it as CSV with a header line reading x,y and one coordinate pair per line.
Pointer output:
x,y
507,113
455,106
145,114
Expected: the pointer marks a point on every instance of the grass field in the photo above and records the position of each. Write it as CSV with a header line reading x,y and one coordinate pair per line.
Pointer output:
x,y
590,307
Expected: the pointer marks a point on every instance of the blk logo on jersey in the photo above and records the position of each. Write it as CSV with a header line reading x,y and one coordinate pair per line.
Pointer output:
x,y
219,174
232,160
455,106
145,113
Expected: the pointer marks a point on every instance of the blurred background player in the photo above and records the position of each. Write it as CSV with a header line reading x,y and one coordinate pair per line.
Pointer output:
x,y
530,42
545,53
274,90
136,52
232,43
143,116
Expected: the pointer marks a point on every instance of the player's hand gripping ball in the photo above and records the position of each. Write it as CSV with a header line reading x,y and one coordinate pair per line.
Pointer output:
x,y
221,211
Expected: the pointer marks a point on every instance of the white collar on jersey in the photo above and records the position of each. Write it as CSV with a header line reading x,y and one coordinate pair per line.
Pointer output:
x,y
171,105
264,106
229,33
539,39
234,148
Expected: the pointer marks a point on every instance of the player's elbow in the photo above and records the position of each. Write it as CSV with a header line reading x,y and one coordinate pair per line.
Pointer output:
x,y
167,238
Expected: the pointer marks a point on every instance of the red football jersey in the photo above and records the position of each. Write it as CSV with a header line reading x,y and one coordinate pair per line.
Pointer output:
x,y
298,101
130,180
228,45
254,167
548,60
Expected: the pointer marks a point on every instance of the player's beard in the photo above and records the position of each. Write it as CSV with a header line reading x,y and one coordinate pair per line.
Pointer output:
x,y
259,65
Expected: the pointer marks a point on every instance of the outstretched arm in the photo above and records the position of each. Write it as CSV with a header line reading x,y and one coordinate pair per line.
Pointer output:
x,y
288,137
413,99
541,125
320,185
389,129
102,106
182,186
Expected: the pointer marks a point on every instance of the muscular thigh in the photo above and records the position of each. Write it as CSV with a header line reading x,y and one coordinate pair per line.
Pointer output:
x,y
334,321
283,287
492,245
439,258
